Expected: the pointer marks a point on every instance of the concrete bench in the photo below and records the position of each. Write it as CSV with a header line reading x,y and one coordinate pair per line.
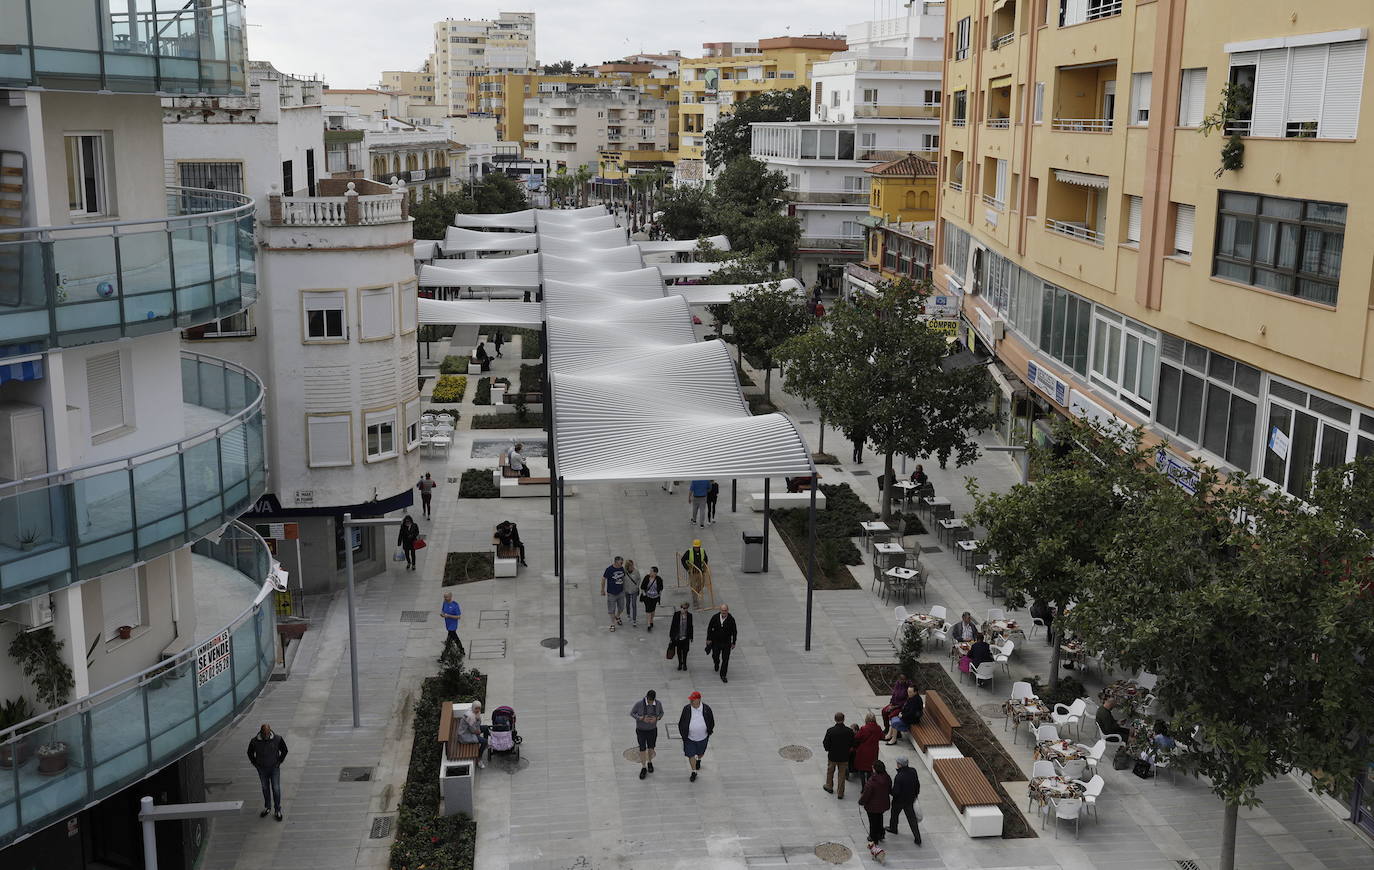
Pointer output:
x,y
936,728
525,487
788,500
974,800
505,560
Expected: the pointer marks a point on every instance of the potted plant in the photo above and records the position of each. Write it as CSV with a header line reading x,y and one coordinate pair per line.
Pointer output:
x,y
27,538
17,750
125,631
39,654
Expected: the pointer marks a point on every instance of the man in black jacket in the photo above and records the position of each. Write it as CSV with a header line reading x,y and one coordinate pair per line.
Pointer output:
x,y
906,787
266,752
838,743
720,637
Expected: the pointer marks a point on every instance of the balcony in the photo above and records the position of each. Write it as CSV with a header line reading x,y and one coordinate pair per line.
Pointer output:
x,y
827,196
1075,230
1004,39
356,203
993,202
77,284
959,122
124,732
835,243
998,123
103,517
908,111
106,45
1082,125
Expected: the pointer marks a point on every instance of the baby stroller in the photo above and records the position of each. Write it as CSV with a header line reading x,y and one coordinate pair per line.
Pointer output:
x,y
502,736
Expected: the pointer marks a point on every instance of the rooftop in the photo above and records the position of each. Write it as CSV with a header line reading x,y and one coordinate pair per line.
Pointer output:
x,y
909,166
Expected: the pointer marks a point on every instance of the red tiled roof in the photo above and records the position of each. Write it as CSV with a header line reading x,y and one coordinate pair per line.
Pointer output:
x,y
909,166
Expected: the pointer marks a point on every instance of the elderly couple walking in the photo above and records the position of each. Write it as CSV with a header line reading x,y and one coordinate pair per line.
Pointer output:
x,y
881,793
695,725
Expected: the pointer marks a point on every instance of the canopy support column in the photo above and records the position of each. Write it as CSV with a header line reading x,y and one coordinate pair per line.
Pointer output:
x,y
734,493
765,525
562,582
810,557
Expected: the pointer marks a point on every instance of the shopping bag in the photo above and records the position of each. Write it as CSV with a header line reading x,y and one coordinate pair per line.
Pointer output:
x,y
419,544
671,651
399,555
916,808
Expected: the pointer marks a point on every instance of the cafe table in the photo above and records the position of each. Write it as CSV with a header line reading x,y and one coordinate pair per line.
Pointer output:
x,y
889,551
1058,750
900,578
1018,710
870,529
1043,789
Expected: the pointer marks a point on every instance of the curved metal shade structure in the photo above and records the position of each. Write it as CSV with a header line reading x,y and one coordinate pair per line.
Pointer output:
x,y
476,312
720,294
458,240
683,246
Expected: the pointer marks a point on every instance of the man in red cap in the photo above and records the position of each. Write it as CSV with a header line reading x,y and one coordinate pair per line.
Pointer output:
x,y
695,726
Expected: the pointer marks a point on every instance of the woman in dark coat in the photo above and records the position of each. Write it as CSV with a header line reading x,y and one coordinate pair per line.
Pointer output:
x,y
894,704
876,801
680,634
866,747
410,533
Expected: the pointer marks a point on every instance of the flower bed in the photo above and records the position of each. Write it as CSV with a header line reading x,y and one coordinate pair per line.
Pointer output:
x,y
478,483
462,568
450,388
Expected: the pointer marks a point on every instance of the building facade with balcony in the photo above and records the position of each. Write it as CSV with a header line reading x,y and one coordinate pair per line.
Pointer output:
x,y
575,128
1120,267
126,459
468,48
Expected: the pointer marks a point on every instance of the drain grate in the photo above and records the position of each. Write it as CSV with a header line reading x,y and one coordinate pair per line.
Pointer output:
x,y
414,616
381,827
1187,864
931,549
493,618
876,647
859,472
453,480
355,774
488,648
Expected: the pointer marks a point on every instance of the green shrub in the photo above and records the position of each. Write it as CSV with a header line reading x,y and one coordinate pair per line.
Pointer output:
x,y
450,388
508,421
468,568
482,395
910,650
478,483
532,378
836,524
529,342
453,365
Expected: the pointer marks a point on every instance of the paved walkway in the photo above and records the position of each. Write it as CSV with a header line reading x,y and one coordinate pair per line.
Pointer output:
x,y
576,802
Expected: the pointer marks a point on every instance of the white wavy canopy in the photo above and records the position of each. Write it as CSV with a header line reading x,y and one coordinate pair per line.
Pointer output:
x,y
635,395
461,241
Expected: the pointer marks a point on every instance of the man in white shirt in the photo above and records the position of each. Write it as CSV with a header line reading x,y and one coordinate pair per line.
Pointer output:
x,y
695,726
516,460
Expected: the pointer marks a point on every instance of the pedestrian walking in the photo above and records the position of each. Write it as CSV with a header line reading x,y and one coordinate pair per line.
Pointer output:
x,y
697,491
680,634
906,788
859,436
876,800
695,726
866,741
266,752
712,495
695,563
721,635
498,341
838,742
632,581
451,613
426,488
647,712
409,534
613,587
471,730
650,590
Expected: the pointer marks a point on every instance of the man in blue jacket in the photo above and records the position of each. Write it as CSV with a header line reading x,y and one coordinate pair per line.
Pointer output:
x,y
696,494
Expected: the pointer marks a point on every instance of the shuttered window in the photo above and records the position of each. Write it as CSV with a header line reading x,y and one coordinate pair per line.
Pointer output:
x,y
329,439
1192,97
412,424
377,312
122,598
1183,228
1134,207
1344,88
1271,93
325,315
1306,81
409,307
380,434
105,392
1306,91
1039,102
1141,86
1001,189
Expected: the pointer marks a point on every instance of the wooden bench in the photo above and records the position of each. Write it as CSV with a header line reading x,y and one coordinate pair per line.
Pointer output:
x,y
525,487
975,801
788,500
455,749
937,724
506,560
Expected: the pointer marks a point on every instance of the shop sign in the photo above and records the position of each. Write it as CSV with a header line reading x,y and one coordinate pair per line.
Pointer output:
x,y
1048,383
1180,472
944,326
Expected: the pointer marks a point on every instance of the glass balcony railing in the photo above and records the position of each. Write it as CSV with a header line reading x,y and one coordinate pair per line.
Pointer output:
x,y
68,758
126,46
90,282
73,525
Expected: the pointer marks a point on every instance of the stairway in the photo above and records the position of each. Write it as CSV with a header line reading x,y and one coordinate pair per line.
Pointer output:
x,y
13,176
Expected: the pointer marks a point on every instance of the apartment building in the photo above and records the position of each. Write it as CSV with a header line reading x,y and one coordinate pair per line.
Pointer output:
x,y
503,96
416,89
728,72
125,457
573,129
1120,267
467,48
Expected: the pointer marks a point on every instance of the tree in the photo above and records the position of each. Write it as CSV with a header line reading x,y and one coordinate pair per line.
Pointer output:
x,y
433,214
1255,612
496,193
746,206
731,137
873,367
562,68
765,317
685,212
582,178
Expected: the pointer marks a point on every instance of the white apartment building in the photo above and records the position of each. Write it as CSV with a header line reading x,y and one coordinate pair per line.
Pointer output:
x,y
874,102
572,129
335,316
467,48
124,458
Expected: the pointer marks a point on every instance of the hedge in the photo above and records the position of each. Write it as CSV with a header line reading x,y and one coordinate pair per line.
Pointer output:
x,y
509,421
478,483
453,365
532,378
450,388
482,394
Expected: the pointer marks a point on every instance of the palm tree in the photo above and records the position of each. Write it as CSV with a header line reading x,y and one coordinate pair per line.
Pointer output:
x,y
640,186
582,177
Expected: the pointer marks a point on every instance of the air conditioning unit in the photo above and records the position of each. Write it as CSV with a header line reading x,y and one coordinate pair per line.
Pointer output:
x,y
29,615
839,117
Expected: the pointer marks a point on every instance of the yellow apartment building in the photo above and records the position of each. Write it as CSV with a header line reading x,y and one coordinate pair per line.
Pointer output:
x,y
418,85
729,72
903,190
1112,264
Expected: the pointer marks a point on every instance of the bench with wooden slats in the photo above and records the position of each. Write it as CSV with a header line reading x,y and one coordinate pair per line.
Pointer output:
x,y
454,749
536,481
965,783
937,724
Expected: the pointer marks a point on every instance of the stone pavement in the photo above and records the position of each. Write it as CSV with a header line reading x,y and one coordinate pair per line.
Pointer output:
x,y
574,801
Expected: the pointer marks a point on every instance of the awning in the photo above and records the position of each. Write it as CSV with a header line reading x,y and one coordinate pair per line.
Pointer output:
x,y
426,249
720,294
1082,179
460,241
688,270
682,246
516,220
520,272
476,312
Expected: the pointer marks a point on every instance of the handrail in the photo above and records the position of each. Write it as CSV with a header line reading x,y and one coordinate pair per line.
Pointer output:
x,y
245,205
180,444
1064,228
1082,125
998,123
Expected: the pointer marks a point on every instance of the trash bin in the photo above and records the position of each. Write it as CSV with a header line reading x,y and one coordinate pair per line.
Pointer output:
x,y
455,786
753,554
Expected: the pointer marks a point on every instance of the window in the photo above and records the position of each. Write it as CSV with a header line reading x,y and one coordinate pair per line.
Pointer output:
x,y
962,31
1134,208
868,141
328,439
1124,360
233,326
123,600
376,313
381,434
212,176
853,183
1000,194
1141,85
288,180
932,98
412,424
1302,90
1289,246
960,108
87,187
956,250
1039,116
1065,325
1208,400
106,403
1192,97
325,315
870,95
1184,216
1307,432
850,230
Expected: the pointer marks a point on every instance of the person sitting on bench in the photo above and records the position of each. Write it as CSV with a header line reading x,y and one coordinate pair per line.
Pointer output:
x,y
480,354
507,536
516,460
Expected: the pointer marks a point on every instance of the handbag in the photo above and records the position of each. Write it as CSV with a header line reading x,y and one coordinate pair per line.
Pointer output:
x,y
1143,769
419,544
671,644
399,555
965,664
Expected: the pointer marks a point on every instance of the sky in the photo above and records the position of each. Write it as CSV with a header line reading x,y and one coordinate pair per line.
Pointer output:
x,y
349,42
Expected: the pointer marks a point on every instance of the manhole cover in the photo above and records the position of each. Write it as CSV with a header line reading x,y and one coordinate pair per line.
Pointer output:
x,y
931,550
834,853
414,616
355,774
861,473
381,827
550,642
795,753
992,711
